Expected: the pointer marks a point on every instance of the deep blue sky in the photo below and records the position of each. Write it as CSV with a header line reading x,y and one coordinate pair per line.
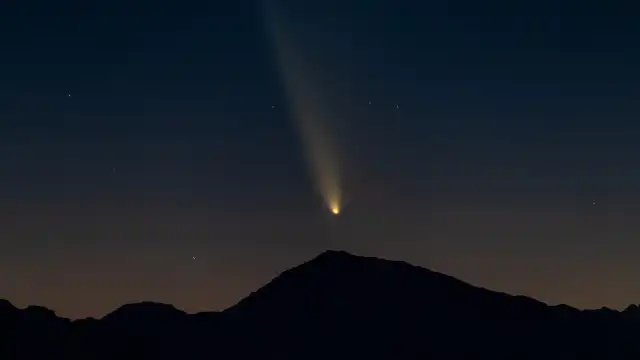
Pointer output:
x,y
511,161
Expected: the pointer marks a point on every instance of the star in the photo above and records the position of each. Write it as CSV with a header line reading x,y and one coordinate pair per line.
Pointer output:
x,y
369,102
69,95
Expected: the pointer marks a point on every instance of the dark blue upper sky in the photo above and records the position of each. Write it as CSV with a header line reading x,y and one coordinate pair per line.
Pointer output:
x,y
483,138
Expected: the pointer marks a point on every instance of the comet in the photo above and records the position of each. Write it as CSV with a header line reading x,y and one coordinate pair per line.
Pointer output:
x,y
309,113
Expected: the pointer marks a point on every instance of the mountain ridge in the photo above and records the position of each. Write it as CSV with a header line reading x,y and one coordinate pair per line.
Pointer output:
x,y
327,254
335,305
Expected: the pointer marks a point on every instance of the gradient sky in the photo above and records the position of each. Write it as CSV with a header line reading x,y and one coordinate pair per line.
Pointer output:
x,y
490,140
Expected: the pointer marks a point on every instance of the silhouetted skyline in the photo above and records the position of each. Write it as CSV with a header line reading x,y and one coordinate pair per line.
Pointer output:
x,y
149,150
335,305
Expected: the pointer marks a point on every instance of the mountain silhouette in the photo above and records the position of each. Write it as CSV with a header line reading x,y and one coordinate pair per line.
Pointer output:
x,y
338,306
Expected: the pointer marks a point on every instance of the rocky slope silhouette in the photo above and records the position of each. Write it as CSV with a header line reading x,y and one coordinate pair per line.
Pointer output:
x,y
338,306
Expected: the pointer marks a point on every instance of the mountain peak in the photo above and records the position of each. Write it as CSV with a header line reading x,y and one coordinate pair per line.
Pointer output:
x,y
6,305
145,308
334,255
40,311
333,279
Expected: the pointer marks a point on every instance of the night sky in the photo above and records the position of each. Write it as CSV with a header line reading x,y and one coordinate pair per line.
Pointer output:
x,y
149,149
